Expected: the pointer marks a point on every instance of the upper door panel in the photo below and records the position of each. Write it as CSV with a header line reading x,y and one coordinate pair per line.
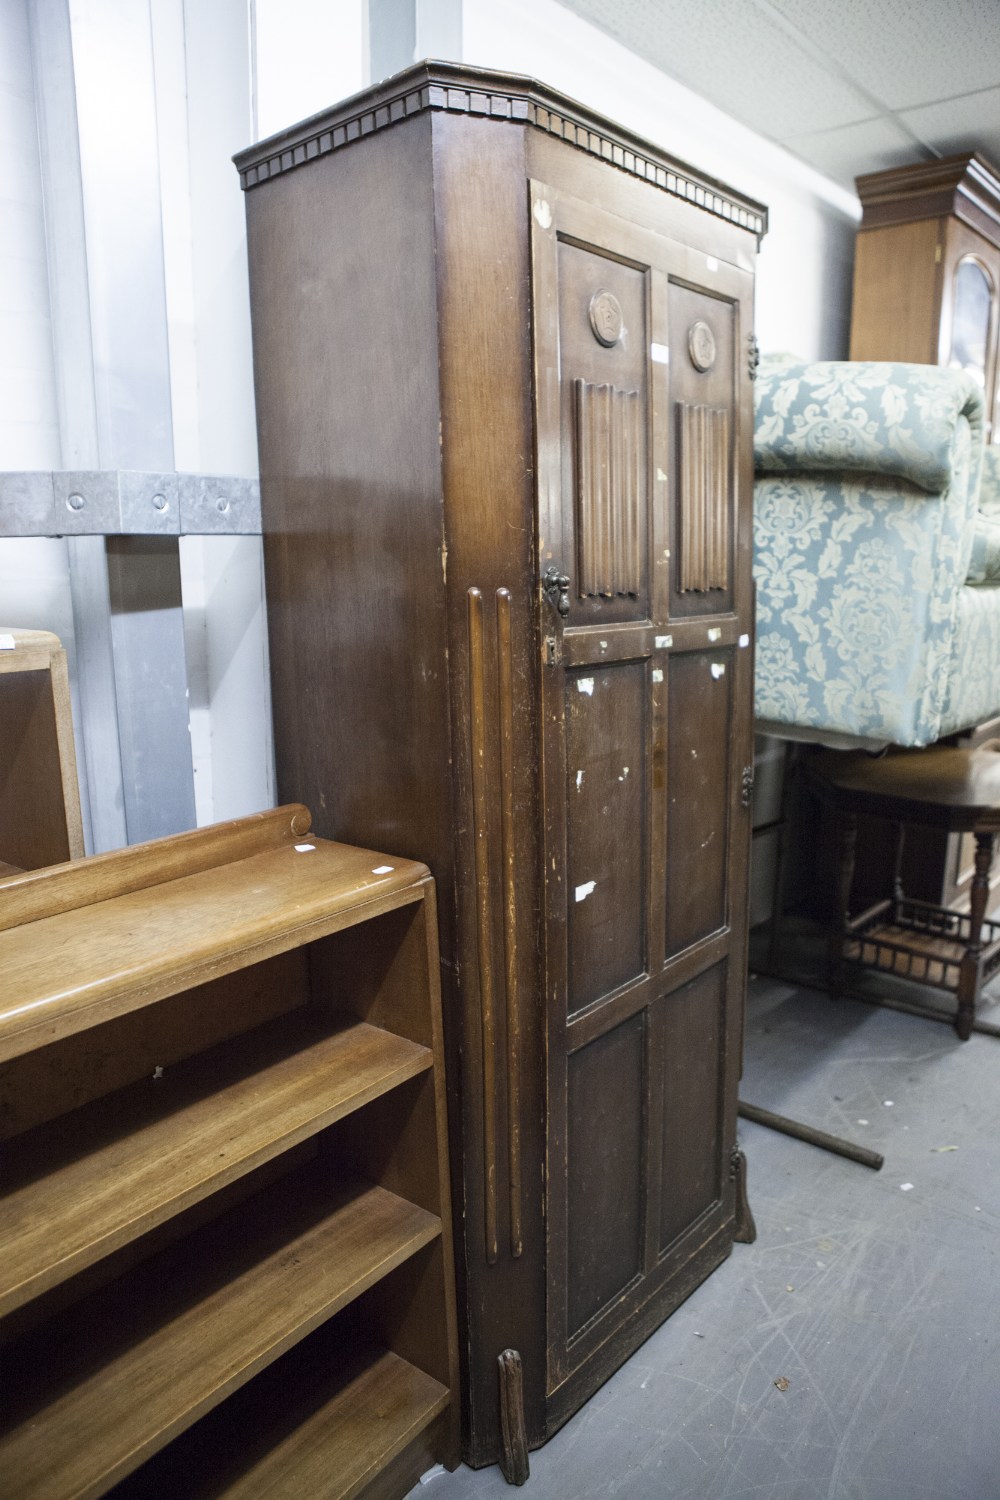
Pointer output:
x,y
603,338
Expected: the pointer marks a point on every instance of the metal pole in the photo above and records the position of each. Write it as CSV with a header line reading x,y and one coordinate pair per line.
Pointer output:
x,y
812,1137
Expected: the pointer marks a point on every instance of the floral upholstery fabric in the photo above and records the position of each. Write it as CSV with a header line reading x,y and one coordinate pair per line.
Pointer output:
x,y
865,418
989,484
973,689
984,566
865,504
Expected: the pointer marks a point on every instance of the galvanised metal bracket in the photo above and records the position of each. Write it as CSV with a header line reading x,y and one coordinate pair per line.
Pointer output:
x,y
125,502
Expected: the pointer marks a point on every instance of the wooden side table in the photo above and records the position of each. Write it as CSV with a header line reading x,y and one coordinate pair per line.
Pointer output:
x,y
942,787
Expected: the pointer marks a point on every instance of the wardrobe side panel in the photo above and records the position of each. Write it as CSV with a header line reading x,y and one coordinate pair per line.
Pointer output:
x,y
345,362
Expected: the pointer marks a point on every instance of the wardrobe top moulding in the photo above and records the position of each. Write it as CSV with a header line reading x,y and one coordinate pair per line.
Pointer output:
x,y
508,98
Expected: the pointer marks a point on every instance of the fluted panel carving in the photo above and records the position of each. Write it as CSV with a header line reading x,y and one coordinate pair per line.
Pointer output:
x,y
505,693
703,509
498,986
608,490
484,931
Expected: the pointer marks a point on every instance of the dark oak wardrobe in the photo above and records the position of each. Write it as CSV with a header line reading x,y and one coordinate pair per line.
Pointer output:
x,y
503,355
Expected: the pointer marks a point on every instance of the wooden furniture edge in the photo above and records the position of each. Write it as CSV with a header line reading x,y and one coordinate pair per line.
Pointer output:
x,y
33,650
967,185
504,97
106,1005
100,877
67,754
42,651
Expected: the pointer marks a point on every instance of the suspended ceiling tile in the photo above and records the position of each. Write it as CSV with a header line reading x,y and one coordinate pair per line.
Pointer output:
x,y
904,52
735,55
971,123
868,146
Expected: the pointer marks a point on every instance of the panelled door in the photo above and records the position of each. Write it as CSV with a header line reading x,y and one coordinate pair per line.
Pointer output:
x,y
645,609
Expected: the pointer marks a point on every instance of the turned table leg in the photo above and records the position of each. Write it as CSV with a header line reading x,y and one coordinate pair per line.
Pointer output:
x,y
847,839
897,871
969,970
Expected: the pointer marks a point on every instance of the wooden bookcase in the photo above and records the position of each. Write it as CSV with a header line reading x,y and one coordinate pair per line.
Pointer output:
x,y
40,821
225,1246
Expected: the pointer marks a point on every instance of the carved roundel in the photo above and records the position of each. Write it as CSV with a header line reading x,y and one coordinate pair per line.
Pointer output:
x,y
606,318
701,346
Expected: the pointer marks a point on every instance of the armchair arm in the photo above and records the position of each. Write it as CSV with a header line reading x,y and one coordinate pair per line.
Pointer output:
x,y
857,590
989,488
899,420
984,564
864,503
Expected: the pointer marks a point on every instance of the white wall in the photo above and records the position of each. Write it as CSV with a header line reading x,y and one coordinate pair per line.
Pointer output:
x,y
205,111
29,429
805,265
34,573
310,53
193,263
234,70
307,55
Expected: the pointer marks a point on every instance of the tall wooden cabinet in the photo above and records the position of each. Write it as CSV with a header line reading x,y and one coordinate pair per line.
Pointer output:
x,y
927,270
927,290
503,355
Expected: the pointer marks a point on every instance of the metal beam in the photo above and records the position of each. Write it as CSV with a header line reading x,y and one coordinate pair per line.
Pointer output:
x,y
127,502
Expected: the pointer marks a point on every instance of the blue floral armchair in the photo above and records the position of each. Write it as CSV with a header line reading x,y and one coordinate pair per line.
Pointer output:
x,y
876,554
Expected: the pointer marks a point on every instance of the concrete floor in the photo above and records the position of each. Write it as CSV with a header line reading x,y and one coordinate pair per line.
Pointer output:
x,y
876,1296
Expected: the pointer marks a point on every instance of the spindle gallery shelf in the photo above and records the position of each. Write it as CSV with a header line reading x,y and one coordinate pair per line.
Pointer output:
x,y
177,1234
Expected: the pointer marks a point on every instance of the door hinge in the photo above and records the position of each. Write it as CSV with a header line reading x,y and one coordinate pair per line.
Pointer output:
x,y
746,788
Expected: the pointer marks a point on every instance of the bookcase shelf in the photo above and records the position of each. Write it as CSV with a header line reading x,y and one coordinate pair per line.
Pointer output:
x,y
174,1234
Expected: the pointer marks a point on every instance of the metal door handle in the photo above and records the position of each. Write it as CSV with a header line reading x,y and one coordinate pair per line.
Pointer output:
x,y
555,585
